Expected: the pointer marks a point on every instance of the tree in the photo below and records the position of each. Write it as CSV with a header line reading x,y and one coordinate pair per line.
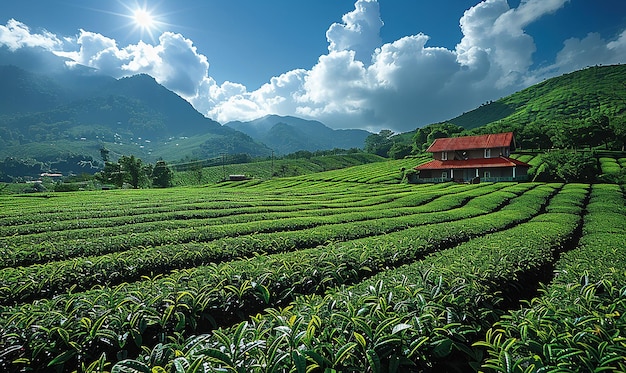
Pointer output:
x,y
568,166
600,131
111,174
161,175
134,170
618,126
534,136
399,151
379,143
425,136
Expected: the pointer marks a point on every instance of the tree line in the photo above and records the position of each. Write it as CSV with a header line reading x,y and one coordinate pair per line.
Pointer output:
x,y
595,132
134,172
560,142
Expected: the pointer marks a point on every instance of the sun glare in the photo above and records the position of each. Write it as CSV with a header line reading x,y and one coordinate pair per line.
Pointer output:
x,y
143,19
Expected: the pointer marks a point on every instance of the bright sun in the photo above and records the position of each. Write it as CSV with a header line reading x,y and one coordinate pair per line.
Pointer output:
x,y
143,19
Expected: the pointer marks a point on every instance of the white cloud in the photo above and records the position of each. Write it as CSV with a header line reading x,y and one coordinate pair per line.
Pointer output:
x,y
174,62
592,50
16,35
359,32
360,82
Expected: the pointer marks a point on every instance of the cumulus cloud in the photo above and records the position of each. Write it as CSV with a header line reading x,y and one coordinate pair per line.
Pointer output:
x,y
407,83
359,32
360,82
16,35
174,62
589,51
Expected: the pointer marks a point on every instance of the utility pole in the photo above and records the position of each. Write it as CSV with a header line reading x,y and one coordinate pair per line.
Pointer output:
x,y
272,174
224,166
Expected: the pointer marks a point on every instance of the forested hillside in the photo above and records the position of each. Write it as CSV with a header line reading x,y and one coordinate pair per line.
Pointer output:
x,y
578,95
583,109
586,108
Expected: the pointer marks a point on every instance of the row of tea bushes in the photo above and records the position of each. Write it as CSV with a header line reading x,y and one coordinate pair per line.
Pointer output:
x,y
229,242
420,316
579,322
121,319
50,246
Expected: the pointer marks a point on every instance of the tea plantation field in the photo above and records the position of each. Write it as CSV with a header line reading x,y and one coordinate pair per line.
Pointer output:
x,y
317,273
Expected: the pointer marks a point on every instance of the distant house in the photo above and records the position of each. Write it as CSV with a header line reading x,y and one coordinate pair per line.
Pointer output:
x,y
52,175
473,158
237,177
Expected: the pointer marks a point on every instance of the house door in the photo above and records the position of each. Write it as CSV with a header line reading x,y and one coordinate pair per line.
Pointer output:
x,y
469,174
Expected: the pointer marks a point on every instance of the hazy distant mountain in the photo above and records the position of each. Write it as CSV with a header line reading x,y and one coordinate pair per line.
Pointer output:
x,y
137,103
76,112
289,134
22,91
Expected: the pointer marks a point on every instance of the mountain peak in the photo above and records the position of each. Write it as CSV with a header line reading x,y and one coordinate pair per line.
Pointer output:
x,y
288,134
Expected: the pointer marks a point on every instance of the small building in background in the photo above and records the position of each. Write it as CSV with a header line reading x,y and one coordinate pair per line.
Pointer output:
x,y
237,177
473,159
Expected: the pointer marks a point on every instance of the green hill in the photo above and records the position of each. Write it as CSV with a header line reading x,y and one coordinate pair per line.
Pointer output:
x,y
577,95
585,109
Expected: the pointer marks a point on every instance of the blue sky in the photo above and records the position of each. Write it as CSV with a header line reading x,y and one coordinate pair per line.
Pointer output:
x,y
395,64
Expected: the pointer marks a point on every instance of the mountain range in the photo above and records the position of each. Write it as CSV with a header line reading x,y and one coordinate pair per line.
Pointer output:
x,y
286,134
70,113
47,117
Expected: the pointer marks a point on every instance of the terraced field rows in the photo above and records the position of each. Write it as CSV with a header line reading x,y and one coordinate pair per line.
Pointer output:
x,y
384,172
578,324
355,276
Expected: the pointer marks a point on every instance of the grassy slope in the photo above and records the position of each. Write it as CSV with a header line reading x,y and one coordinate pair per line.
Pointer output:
x,y
277,168
576,95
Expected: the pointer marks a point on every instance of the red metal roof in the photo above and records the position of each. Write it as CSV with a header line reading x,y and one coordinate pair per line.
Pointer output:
x,y
497,140
472,163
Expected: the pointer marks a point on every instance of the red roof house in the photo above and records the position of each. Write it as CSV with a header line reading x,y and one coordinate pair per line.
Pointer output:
x,y
471,158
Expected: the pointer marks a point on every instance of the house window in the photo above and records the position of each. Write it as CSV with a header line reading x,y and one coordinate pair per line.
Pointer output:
x,y
444,175
487,174
444,156
487,153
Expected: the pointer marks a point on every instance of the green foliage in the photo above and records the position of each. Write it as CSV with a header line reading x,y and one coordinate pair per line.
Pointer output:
x,y
399,151
577,322
568,166
133,171
379,143
161,175
425,136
